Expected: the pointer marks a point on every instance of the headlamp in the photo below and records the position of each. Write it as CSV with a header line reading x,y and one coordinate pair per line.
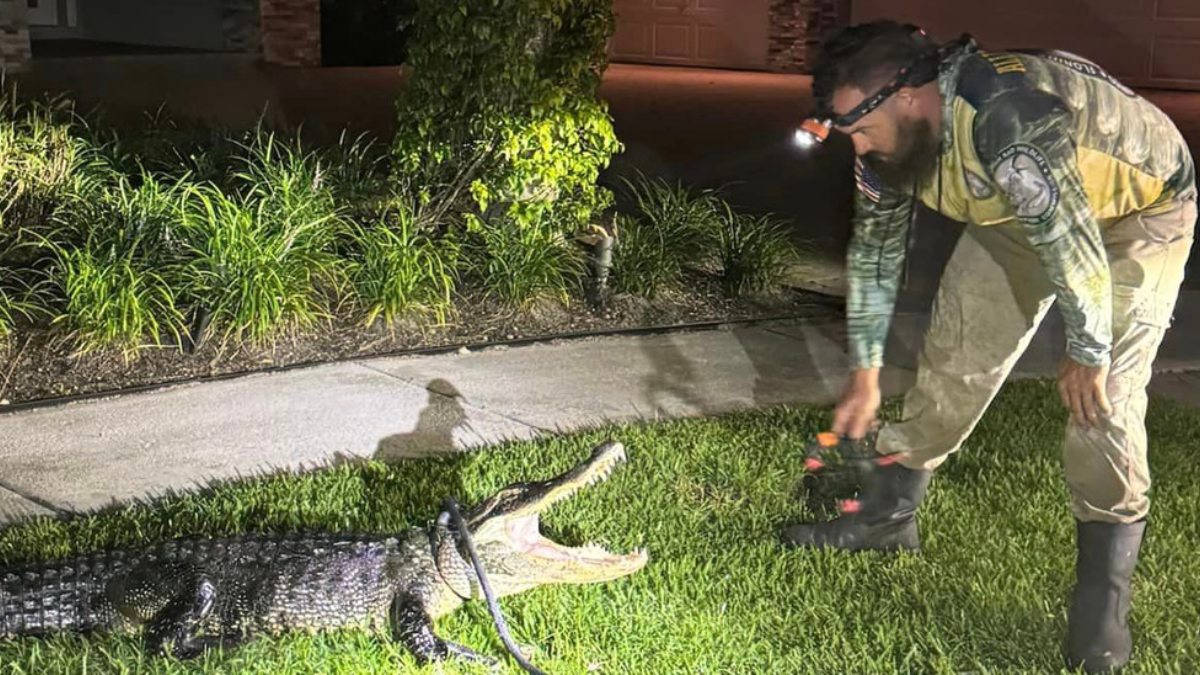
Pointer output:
x,y
815,130
812,131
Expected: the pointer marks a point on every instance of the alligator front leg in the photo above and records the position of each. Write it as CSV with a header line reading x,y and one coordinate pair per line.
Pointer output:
x,y
413,627
173,629
173,600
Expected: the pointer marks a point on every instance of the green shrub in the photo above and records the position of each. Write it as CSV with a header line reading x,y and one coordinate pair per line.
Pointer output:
x,y
357,175
671,229
255,268
112,265
18,297
45,158
287,178
110,299
8,311
752,251
519,264
171,146
398,270
501,111
643,263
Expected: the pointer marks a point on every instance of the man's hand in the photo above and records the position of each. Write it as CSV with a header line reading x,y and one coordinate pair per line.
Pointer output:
x,y
1084,392
855,413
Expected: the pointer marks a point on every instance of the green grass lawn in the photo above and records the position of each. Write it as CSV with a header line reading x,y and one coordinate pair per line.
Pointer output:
x,y
706,497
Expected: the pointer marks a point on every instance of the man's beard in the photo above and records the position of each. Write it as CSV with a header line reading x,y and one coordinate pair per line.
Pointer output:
x,y
915,156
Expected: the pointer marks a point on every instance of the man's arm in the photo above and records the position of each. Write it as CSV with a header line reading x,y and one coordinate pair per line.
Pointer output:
x,y
1024,137
874,261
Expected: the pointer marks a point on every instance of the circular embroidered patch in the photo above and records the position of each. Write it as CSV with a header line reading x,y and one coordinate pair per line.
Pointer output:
x,y
1023,174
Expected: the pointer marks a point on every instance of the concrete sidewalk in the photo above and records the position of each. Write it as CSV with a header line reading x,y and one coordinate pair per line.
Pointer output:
x,y
90,454
87,454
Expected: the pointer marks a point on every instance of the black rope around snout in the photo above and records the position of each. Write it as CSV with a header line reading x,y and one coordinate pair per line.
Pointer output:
x,y
464,535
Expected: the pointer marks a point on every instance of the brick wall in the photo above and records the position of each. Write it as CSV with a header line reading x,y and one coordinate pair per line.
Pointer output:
x,y
239,25
14,34
290,32
797,29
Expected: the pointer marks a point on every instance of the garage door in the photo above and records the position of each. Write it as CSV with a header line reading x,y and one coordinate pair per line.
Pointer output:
x,y
709,33
1153,43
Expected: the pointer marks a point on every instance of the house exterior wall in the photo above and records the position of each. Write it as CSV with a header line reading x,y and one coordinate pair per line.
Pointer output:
x,y
239,25
1144,43
193,24
14,33
290,32
797,29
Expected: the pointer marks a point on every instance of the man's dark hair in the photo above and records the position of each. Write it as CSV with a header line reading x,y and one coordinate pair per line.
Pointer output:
x,y
866,56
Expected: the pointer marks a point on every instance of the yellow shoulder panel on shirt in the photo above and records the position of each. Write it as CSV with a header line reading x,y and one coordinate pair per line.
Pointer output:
x,y
965,190
1115,188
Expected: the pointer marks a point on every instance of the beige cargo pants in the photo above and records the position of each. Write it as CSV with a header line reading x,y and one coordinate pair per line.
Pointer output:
x,y
993,295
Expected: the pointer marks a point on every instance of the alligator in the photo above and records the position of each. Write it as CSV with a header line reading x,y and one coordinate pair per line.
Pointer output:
x,y
190,594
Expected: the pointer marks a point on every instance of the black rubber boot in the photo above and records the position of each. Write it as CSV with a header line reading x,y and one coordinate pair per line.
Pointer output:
x,y
886,520
1098,636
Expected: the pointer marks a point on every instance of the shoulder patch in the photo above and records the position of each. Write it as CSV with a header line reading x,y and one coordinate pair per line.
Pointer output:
x,y
1023,173
868,183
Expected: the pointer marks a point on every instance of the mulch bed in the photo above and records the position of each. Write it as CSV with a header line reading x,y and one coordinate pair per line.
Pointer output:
x,y
37,365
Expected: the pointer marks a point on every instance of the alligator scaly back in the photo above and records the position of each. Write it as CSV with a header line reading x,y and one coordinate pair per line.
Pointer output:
x,y
223,588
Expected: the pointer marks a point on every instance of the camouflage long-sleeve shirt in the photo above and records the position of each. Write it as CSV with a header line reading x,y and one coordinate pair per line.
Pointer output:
x,y
1049,140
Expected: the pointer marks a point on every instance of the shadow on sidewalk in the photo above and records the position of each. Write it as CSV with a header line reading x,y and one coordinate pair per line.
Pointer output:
x,y
673,384
804,372
434,433
762,367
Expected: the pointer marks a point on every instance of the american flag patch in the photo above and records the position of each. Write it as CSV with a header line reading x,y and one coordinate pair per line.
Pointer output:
x,y
868,183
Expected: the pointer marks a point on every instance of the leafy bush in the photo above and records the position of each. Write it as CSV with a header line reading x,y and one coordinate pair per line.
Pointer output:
x,y
501,108
255,268
112,264
356,171
670,229
17,298
168,145
287,178
397,270
752,251
501,139
44,159
519,264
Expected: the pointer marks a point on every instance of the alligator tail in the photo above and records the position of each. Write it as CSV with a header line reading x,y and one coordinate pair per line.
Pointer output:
x,y
66,596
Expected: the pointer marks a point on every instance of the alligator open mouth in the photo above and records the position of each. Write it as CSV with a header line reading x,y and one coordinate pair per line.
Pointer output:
x,y
524,528
517,510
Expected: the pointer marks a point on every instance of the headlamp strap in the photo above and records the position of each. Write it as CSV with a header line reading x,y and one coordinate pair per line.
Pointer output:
x,y
904,79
